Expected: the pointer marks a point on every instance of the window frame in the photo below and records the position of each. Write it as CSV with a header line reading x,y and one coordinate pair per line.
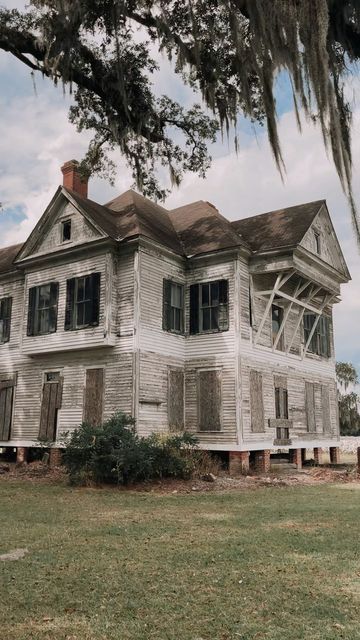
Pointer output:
x,y
320,343
170,309
317,238
68,221
221,307
281,343
72,303
34,327
84,303
5,319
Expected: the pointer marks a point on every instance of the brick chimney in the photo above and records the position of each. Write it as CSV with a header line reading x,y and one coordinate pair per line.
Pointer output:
x,y
72,179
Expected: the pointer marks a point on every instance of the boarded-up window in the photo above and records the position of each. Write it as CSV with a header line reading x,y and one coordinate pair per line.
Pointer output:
x,y
209,400
325,402
176,399
310,406
256,402
94,397
50,404
6,406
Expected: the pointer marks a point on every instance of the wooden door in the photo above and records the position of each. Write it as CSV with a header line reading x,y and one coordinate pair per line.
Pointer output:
x,y
94,397
51,403
6,407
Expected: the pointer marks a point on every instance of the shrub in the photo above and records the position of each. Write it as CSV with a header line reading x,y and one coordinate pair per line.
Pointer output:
x,y
115,454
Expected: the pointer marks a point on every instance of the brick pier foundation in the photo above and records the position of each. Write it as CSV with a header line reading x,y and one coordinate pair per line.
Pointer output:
x,y
238,462
317,455
296,457
335,455
262,461
55,457
21,455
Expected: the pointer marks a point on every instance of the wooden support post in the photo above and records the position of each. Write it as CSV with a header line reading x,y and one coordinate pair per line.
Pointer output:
x,y
317,455
55,457
238,463
335,455
262,461
296,457
21,455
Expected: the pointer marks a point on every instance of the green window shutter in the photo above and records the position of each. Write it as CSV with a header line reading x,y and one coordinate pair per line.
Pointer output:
x,y
95,296
54,295
194,308
69,311
31,311
166,305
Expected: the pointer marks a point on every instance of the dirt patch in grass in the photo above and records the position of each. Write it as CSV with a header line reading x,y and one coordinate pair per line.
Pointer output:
x,y
16,554
300,526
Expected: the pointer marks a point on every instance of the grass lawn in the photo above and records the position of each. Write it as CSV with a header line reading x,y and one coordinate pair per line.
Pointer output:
x,y
273,563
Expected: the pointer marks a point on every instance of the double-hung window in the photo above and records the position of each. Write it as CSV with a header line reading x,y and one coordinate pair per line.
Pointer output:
x,y
173,306
320,342
5,319
82,302
42,312
209,307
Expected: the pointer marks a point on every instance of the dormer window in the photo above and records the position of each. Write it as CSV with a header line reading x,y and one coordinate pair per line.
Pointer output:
x,y
317,242
66,231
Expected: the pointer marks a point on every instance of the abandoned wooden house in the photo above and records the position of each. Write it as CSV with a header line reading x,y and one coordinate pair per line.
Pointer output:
x,y
181,318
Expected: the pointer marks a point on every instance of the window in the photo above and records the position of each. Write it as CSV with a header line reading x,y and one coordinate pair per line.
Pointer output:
x,y
281,403
317,242
173,306
42,313
277,316
320,341
5,319
82,302
66,231
209,309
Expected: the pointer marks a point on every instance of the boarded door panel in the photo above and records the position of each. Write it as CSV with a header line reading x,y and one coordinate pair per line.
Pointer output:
x,y
51,402
6,406
176,399
310,407
94,396
325,401
209,399
257,402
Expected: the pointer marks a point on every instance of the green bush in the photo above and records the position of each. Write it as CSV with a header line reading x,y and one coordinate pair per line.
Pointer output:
x,y
114,453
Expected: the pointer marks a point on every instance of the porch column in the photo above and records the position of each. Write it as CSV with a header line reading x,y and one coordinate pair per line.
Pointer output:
x,y
262,461
238,463
335,455
317,455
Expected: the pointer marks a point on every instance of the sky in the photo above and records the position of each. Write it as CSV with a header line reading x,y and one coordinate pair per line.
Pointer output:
x,y
36,139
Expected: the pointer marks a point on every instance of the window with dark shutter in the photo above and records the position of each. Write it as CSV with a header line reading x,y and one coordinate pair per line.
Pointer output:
x,y
82,302
173,306
5,319
42,310
209,308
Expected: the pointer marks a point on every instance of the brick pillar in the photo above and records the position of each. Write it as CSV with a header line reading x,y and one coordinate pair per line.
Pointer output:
x,y
303,455
317,455
262,461
358,459
238,462
296,457
335,455
55,457
21,455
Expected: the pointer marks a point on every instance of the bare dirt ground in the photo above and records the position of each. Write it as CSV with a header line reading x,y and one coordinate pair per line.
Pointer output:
x,y
281,475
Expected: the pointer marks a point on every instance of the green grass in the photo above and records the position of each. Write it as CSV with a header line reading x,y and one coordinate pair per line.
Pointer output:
x,y
274,563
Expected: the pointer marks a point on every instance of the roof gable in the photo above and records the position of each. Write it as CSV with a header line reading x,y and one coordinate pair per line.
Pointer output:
x,y
280,228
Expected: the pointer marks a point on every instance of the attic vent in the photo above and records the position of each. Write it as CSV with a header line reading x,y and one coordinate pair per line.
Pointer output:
x,y
66,231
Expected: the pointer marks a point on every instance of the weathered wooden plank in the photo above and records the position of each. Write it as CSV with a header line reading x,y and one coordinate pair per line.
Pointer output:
x,y
310,406
176,399
5,384
209,399
94,396
44,411
9,394
325,401
256,402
